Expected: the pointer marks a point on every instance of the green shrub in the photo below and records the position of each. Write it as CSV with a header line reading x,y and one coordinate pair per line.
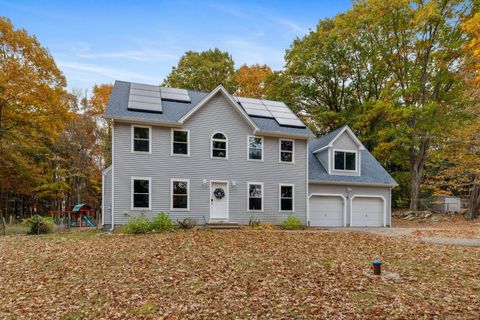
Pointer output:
x,y
162,222
40,225
292,223
138,225
187,223
253,222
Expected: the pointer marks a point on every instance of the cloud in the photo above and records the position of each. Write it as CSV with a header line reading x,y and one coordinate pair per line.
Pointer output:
x,y
137,55
290,25
110,73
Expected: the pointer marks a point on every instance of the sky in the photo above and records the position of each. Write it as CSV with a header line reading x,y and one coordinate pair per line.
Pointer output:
x,y
99,41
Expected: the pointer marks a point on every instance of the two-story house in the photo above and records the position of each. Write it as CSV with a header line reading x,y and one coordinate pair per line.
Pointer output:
x,y
217,157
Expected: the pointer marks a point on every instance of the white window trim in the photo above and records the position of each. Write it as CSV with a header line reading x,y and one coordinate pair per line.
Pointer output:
x,y
171,194
248,196
280,185
132,179
248,149
280,151
345,170
132,150
171,143
212,139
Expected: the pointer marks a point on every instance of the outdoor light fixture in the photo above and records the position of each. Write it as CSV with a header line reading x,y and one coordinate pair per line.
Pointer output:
x,y
234,183
204,181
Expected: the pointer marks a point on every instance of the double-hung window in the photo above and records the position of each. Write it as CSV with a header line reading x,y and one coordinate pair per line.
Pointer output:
x,y
141,193
180,142
180,194
287,193
255,196
255,148
345,160
287,148
219,146
141,139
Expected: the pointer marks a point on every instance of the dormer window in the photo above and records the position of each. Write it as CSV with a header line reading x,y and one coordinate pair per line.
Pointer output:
x,y
345,160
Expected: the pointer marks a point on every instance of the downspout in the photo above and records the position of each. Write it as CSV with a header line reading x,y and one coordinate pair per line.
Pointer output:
x,y
307,189
390,204
113,177
103,199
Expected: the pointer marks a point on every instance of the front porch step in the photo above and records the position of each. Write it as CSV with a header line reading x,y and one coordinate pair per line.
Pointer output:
x,y
223,225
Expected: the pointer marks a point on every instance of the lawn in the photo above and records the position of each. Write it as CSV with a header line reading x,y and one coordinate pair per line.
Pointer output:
x,y
234,274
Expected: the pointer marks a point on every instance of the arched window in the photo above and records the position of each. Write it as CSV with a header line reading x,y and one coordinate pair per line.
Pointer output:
x,y
219,146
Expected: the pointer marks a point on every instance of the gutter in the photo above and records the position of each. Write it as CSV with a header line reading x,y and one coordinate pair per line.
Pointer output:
x,y
365,184
281,134
130,120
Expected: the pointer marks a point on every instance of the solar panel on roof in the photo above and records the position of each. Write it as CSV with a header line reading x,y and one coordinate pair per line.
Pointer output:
x,y
283,115
144,97
253,106
174,94
270,109
290,122
146,93
249,100
274,103
174,90
136,105
279,109
147,87
258,112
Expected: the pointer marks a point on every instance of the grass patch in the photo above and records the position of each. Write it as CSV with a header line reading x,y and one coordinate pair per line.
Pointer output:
x,y
147,309
14,229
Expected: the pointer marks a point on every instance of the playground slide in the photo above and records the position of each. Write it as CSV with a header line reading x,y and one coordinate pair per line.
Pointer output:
x,y
89,221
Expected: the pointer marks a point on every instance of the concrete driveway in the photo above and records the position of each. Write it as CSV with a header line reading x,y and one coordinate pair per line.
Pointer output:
x,y
396,232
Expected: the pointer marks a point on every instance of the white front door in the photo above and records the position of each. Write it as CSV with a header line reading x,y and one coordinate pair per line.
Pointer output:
x,y
218,200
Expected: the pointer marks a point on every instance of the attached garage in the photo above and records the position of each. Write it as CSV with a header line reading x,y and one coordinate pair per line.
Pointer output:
x,y
327,210
367,211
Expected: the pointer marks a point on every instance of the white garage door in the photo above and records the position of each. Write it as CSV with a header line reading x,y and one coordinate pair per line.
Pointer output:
x,y
367,212
326,211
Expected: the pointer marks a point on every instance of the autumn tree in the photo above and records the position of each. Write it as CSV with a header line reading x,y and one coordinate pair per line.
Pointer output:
x,y
251,80
32,109
96,107
390,70
203,71
472,27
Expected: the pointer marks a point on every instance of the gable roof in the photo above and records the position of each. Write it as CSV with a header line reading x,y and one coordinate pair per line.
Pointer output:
x,y
372,172
219,89
328,139
174,113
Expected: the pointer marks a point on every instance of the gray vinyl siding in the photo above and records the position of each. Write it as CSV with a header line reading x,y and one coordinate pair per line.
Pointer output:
x,y
107,198
217,115
344,141
348,191
322,156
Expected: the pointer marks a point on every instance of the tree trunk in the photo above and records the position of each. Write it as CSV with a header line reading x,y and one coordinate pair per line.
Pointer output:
x,y
417,162
414,186
474,201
